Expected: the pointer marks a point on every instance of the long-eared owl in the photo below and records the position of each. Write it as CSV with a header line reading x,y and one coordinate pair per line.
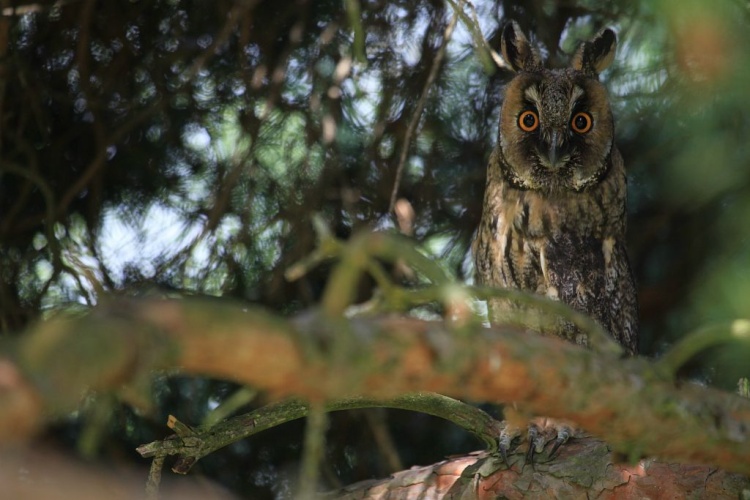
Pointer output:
x,y
553,221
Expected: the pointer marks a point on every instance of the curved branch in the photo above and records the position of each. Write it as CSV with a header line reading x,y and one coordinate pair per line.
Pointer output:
x,y
700,340
201,443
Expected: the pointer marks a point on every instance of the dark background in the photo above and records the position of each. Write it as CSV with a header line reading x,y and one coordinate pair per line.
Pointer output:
x,y
180,148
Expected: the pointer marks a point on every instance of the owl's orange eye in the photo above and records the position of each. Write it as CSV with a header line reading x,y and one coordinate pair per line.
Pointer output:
x,y
528,121
581,122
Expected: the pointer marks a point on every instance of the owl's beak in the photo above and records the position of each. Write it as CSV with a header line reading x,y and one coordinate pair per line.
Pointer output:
x,y
552,153
554,159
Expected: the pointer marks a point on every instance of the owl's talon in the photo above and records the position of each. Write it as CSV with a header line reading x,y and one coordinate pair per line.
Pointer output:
x,y
563,435
503,449
539,433
537,440
505,441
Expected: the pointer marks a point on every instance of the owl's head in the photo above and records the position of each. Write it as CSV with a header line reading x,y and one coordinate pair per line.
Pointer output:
x,y
556,129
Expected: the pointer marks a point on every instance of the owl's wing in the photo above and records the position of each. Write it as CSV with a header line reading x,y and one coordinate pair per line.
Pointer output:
x,y
620,286
593,276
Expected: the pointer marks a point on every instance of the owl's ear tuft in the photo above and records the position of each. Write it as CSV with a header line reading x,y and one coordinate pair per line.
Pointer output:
x,y
597,54
516,49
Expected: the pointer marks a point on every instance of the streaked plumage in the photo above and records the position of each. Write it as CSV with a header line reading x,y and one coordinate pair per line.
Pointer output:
x,y
554,213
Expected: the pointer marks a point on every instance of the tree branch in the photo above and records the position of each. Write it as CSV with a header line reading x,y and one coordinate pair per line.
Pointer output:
x,y
584,468
197,445
623,401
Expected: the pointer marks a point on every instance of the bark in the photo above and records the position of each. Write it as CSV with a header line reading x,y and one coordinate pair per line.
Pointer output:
x,y
584,468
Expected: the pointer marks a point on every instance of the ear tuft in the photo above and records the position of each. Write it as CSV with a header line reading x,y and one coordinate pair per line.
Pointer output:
x,y
597,54
517,50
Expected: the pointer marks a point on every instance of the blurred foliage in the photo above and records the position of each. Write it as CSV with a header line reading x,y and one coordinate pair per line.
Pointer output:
x,y
181,147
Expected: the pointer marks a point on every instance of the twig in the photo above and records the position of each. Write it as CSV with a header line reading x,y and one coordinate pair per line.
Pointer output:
x,y
154,477
420,107
313,451
361,254
100,158
376,421
59,264
355,257
206,441
693,343
32,174
598,338
473,26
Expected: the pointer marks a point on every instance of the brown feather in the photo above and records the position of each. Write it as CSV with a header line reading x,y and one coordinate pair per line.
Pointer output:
x,y
553,223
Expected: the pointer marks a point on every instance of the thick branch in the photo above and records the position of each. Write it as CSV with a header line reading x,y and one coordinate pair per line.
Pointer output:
x,y
623,401
584,468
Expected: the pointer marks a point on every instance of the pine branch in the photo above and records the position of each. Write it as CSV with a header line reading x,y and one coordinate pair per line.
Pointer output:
x,y
626,402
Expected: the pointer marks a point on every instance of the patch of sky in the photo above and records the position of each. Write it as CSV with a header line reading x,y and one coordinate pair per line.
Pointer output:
x,y
238,87
415,168
467,83
196,137
133,35
79,105
408,41
161,232
387,147
74,252
463,40
43,270
252,52
204,90
204,41
115,101
60,60
101,53
268,242
154,133
436,248
39,241
171,44
638,65
26,29
325,66
147,92
298,84
73,80
365,91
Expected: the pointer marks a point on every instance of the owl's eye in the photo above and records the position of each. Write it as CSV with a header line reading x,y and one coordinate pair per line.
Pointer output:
x,y
581,122
528,121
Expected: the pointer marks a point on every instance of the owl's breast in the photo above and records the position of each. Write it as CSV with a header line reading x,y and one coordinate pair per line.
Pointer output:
x,y
521,230
508,248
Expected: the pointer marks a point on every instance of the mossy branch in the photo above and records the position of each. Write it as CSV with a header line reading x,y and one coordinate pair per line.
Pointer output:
x,y
205,441
622,400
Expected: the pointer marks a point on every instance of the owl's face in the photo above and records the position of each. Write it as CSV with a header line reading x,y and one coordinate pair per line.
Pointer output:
x,y
556,128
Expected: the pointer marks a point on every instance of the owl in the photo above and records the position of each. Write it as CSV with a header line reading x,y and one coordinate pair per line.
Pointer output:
x,y
553,220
